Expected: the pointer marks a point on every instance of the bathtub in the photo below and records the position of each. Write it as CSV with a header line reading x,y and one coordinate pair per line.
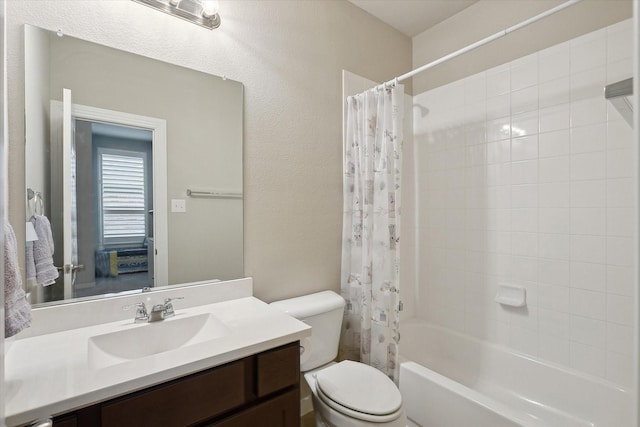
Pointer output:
x,y
448,379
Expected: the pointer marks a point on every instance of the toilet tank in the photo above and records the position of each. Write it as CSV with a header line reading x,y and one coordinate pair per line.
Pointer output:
x,y
322,311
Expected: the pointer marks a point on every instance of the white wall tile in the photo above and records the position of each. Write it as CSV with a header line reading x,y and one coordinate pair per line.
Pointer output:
x,y
524,72
498,129
588,166
588,83
588,303
620,309
588,194
620,192
588,221
475,88
554,92
620,280
588,331
555,169
523,124
554,195
498,81
498,106
553,144
524,244
589,51
555,246
555,220
524,100
554,297
526,176
620,70
588,111
589,276
621,221
524,196
620,163
524,219
620,251
554,62
524,148
554,272
620,339
524,172
524,268
588,138
588,248
619,134
557,117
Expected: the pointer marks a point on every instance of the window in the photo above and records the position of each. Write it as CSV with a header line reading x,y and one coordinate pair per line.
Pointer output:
x,y
123,197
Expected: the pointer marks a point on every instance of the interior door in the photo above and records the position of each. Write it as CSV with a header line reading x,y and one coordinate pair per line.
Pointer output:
x,y
69,205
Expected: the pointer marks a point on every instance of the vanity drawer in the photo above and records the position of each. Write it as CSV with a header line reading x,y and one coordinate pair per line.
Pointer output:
x,y
280,411
278,369
186,401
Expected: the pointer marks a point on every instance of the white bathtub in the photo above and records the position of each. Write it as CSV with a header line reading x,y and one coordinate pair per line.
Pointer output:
x,y
448,379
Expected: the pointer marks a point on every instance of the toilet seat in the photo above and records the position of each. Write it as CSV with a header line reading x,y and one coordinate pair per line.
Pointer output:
x,y
359,391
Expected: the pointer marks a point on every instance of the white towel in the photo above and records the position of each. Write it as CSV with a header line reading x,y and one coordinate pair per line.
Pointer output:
x,y
29,261
43,248
17,310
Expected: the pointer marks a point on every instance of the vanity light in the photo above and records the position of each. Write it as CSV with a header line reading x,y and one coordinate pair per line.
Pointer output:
x,y
200,12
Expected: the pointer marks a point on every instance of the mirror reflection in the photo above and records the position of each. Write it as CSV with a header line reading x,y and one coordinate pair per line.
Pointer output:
x,y
133,171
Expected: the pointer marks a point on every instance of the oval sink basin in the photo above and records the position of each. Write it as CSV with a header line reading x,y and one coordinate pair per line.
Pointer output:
x,y
153,338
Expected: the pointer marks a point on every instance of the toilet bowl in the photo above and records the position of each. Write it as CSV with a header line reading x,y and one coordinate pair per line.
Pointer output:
x,y
348,393
352,394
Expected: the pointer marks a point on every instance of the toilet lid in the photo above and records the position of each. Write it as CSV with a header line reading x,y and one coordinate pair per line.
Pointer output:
x,y
359,387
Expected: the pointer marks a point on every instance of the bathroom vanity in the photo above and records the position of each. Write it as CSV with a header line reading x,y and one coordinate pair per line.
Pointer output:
x,y
230,361
262,389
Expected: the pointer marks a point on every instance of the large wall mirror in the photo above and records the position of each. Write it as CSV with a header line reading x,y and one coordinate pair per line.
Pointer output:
x,y
135,167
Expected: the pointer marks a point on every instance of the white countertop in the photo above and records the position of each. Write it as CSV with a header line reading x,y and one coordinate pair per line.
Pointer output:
x,y
50,374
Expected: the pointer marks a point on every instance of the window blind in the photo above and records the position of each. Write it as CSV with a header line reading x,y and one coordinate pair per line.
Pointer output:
x,y
123,198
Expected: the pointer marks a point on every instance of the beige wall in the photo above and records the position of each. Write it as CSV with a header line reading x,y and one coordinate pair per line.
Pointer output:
x,y
289,56
487,17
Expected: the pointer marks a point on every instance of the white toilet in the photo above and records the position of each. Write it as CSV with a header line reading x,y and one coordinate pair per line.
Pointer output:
x,y
345,394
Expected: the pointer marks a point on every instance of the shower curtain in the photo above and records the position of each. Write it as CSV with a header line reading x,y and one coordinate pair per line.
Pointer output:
x,y
371,228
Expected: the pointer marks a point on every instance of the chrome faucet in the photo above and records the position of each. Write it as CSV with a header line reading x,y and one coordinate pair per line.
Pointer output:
x,y
141,313
162,311
158,311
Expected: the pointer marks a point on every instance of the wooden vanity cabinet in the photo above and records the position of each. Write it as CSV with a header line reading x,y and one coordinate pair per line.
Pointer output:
x,y
259,390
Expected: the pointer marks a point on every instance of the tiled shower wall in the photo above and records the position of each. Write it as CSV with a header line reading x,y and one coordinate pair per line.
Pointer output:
x,y
526,176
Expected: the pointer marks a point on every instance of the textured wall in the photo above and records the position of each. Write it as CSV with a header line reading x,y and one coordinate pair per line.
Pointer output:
x,y
289,55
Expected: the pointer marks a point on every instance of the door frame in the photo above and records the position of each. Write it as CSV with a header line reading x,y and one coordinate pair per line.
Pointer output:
x,y
158,127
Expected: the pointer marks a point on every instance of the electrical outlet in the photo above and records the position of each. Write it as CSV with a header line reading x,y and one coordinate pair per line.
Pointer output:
x,y
178,205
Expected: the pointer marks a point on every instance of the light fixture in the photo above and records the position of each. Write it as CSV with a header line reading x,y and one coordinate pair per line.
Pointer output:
x,y
200,12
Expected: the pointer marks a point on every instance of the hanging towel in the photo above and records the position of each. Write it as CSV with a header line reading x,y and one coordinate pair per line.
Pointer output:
x,y
46,273
30,262
17,310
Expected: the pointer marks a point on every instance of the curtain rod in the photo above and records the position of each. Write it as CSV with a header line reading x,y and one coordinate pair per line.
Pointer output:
x,y
477,44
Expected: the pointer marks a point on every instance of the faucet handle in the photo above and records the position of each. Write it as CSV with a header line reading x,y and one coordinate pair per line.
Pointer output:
x,y
168,306
141,312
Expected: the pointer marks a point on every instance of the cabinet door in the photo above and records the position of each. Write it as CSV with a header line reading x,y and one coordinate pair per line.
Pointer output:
x,y
182,402
278,369
281,411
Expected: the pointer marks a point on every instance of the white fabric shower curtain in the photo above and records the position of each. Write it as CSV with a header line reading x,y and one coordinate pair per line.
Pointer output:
x,y
371,228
